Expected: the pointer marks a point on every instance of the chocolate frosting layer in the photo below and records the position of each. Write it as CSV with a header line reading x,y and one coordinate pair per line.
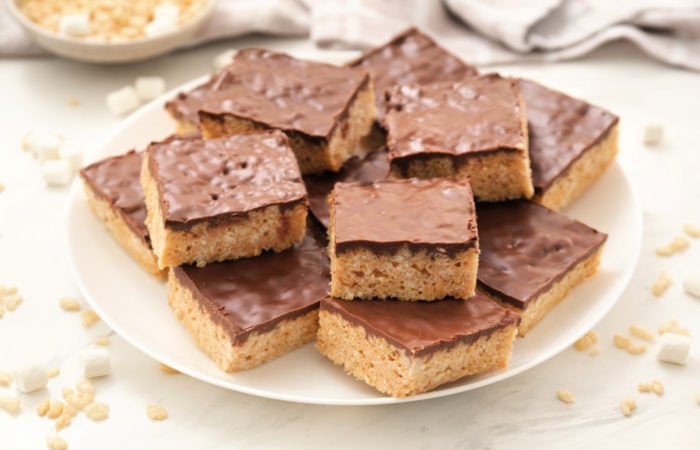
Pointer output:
x,y
255,294
422,328
410,58
221,179
562,128
423,214
116,180
277,91
481,114
526,248
374,167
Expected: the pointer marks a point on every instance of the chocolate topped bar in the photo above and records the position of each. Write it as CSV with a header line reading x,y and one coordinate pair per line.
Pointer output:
x,y
526,248
418,213
410,58
561,129
221,179
255,294
116,180
479,115
373,167
277,91
422,328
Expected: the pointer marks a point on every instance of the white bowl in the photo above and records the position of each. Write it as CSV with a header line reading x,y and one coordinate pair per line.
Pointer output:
x,y
110,52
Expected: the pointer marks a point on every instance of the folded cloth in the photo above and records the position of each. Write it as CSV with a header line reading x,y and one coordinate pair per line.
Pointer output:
x,y
481,31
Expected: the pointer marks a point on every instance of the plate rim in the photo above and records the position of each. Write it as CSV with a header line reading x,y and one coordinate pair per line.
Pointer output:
x,y
76,194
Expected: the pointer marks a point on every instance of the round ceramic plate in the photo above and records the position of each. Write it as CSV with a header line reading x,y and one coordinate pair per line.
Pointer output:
x,y
135,305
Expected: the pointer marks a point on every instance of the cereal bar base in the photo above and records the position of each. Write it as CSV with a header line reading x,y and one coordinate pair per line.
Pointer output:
x,y
393,371
582,173
213,339
121,232
269,228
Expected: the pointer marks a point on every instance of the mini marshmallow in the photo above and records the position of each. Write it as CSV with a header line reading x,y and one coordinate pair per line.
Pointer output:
x,y
653,133
149,88
43,145
75,24
160,26
72,152
691,283
95,362
122,100
31,378
57,172
167,11
675,348
224,58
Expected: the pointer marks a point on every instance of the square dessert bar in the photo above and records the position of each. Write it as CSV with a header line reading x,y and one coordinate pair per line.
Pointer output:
x,y
404,239
405,348
222,198
474,129
114,194
373,167
410,57
246,312
571,143
531,257
325,110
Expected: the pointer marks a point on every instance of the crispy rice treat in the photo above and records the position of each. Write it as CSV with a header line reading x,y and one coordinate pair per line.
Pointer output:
x,y
404,239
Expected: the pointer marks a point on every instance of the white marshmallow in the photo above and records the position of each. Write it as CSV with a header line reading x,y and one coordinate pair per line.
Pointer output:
x,y
72,152
31,378
653,133
57,172
224,58
43,145
95,362
167,11
160,26
674,348
75,24
122,100
149,88
691,283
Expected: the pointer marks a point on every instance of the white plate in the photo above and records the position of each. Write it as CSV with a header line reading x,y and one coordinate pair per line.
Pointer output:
x,y
135,305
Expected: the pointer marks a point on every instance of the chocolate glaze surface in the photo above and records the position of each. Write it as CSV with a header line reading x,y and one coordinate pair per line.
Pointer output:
x,y
422,328
526,248
410,58
561,130
277,91
423,214
374,167
255,294
221,179
116,180
481,114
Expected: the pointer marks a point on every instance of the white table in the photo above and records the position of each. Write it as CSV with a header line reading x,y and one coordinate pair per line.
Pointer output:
x,y
521,412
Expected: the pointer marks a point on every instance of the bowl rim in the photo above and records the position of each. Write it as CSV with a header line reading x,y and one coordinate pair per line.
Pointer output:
x,y
32,27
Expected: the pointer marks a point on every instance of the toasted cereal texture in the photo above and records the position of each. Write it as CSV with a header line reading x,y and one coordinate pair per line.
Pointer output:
x,y
393,371
56,443
494,177
208,241
583,173
97,411
156,412
586,341
642,332
661,284
627,406
540,306
406,275
677,244
167,369
88,318
213,339
314,154
565,396
5,378
121,232
69,304
10,403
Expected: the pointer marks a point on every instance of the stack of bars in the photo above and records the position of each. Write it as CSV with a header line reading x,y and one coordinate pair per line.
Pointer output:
x,y
433,238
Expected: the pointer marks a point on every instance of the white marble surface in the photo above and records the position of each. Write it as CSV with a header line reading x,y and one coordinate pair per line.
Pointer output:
x,y
521,412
